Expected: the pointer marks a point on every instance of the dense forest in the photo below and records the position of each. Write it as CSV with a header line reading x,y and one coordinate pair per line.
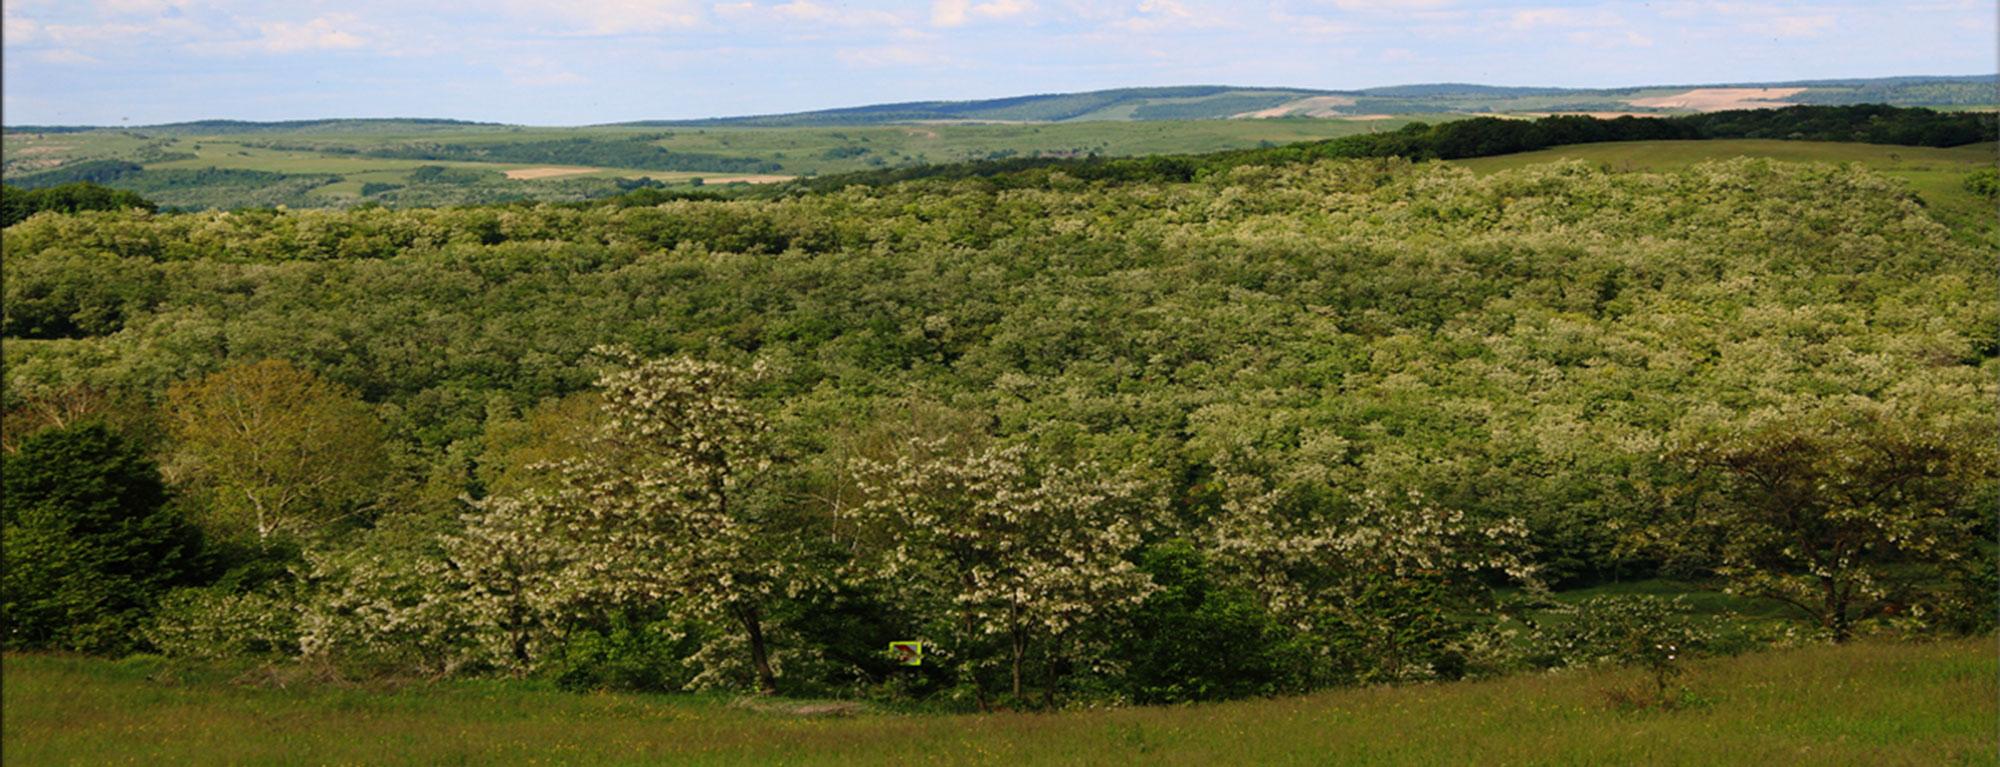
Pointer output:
x,y
17,205
1279,424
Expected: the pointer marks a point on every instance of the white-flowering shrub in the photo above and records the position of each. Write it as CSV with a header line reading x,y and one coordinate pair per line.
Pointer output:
x,y
988,547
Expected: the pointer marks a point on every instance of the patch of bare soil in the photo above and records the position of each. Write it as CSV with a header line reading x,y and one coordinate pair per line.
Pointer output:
x,y
801,708
749,179
1310,106
524,174
1598,115
1719,99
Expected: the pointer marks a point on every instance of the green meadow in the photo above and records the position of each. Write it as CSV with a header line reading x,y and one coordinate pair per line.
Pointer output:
x,y
1865,703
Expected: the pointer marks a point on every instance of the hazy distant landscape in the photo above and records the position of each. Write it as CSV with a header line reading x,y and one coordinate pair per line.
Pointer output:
x,y
334,162
1441,423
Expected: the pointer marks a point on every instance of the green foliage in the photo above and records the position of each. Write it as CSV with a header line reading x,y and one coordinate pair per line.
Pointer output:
x,y
1196,639
1652,633
1843,508
17,205
1476,137
439,174
1371,391
1648,633
1984,182
74,294
620,152
222,624
86,172
627,653
91,542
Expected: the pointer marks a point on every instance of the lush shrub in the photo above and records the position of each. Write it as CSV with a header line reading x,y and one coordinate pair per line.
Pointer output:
x,y
91,542
18,204
1195,639
217,623
1984,182
1652,633
628,652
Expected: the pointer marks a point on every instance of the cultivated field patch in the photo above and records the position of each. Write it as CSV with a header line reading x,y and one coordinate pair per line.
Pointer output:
x,y
1310,106
1721,99
523,174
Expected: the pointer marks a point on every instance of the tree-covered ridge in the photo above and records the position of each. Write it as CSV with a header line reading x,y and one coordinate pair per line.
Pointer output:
x,y
18,204
1554,374
1487,137
1214,102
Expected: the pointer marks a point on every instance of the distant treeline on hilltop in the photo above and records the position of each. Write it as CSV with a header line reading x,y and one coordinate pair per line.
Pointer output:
x,y
1485,137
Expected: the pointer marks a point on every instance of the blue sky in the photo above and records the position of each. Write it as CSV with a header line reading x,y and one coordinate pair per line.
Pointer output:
x,y
565,62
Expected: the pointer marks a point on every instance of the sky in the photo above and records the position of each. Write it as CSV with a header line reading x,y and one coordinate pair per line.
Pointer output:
x,y
574,62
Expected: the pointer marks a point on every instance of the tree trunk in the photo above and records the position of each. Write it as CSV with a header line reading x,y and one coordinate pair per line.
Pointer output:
x,y
760,654
1836,612
1020,648
1053,653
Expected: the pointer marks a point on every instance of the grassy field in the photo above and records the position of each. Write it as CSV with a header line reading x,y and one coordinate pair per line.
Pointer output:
x,y
1867,703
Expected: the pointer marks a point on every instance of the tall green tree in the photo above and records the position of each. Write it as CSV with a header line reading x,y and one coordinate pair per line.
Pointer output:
x,y
279,452
90,541
1846,508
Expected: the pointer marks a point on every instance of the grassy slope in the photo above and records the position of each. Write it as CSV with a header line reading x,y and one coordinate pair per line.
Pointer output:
x,y
1860,704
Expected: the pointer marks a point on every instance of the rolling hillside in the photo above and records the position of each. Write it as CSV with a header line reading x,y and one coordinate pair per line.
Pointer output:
x,y
1215,102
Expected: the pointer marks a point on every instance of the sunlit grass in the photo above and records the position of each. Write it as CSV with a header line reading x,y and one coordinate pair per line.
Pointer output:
x,y
1869,703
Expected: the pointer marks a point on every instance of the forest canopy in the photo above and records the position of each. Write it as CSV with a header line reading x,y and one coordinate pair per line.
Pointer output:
x,y
1361,410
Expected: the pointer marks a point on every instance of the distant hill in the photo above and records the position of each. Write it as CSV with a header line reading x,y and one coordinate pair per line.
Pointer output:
x,y
230,127
1214,102
1174,103
1218,102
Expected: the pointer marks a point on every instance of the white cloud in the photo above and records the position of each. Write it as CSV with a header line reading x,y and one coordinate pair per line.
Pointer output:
x,y
613,17
323,33
1532,18
1801,26
954,13
1312,26
888,56
1610,39
142,6
18,30
1155,15
64,56
1390,5
536,71
812,13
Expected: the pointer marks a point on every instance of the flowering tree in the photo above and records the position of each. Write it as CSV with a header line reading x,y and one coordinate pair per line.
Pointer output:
x,y
993,548
1382,582
658,508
